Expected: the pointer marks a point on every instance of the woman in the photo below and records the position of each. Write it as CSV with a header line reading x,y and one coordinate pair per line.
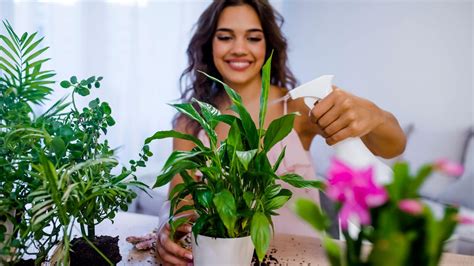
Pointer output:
x,y
232,41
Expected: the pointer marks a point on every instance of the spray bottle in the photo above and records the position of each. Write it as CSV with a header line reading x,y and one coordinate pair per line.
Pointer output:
x,y
351,150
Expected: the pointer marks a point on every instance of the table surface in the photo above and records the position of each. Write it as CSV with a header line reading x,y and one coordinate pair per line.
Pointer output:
x,y
284,249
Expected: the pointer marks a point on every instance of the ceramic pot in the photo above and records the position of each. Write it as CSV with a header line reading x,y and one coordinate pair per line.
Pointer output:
x,y
222,251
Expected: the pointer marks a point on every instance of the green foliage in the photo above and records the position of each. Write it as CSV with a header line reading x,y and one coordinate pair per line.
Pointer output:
x,y
407,239
237,193
56,168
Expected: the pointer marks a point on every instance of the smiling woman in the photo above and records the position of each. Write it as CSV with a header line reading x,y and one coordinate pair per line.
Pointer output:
x,y
231,42
238,47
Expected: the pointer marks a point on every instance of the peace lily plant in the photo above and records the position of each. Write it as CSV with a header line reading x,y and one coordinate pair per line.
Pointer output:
x,y
238,192
401,229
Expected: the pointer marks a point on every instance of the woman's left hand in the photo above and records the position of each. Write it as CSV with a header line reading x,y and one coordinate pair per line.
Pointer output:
x,y
341,115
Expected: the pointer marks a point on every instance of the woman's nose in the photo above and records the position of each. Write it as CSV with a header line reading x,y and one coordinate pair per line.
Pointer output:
x,y
239,47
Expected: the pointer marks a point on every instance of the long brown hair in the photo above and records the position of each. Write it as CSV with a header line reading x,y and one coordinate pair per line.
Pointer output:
x,y
195,85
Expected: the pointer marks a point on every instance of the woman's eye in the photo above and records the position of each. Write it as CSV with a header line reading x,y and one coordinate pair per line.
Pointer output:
x,y
224,38
254,39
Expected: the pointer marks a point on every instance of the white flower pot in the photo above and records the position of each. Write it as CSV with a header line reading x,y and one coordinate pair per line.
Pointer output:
x,y
222,251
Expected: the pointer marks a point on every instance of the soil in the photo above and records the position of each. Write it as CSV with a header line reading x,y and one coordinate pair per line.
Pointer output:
x,y
84,254
30,262
269,259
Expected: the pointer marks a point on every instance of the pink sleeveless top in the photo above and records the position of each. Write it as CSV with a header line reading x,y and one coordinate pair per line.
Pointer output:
x,y
297,160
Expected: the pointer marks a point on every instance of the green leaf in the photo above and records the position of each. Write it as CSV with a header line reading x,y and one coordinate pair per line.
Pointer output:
x,y
188,110
204,197
178,156
97,84
309,212
7,53
209,112
299,182
174,134
73,79
58,145
247,122
94,103
9,44
31,47
82,91
28,41
245,157
36,54
333,251
266,75
278,201
166,177
227,210
423,173
248,198
105,108
394,246
260,234
279,160
177,223
110,121
278,130
199,225
177,189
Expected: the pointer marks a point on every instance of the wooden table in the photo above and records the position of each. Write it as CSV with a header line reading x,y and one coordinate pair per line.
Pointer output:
x,y
284,249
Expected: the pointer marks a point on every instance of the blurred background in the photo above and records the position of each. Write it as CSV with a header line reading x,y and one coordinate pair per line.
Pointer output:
x,y
413,58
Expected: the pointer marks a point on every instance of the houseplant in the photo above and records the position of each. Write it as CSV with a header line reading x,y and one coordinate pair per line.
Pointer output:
x,y
60,167
23,84
392,218
238,192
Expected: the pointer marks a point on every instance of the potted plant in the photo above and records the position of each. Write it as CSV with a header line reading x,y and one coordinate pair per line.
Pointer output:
x,y
23,84
62,166
393,221
238,192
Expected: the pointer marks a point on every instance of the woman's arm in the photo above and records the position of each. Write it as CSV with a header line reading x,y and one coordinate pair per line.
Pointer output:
x,y
341,115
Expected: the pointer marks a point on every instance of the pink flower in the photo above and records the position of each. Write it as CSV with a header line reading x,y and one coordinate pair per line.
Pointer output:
x,y
462,219
411,206
448,167
356,190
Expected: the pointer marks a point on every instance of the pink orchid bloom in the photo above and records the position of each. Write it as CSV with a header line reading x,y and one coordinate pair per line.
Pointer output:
x,y
411,206
356,190
462,219
448,167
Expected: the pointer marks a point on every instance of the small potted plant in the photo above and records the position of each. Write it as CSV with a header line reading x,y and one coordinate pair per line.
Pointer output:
x,y
400,228
238,192
58,167
23,84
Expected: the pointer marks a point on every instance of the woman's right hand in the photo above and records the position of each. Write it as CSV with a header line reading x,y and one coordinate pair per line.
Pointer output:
x,y
169,251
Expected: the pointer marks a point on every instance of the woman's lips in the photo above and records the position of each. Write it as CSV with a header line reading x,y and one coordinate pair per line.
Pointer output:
x,y
238,65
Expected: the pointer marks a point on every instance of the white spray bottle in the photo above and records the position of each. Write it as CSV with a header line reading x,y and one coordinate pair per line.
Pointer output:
x,y
351,150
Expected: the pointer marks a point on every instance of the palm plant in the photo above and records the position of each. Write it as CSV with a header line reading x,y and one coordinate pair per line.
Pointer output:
x,y
23,84
238,192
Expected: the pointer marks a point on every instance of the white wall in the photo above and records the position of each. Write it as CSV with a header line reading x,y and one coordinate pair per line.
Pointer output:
x,y
413,58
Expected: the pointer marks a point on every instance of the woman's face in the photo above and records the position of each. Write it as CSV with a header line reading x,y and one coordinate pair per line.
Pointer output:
x,y
238,46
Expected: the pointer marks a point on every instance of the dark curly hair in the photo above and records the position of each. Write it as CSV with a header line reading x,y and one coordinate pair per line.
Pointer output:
x,y
195,85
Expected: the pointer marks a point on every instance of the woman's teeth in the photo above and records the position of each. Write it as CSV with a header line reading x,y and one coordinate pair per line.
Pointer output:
x,y
239,65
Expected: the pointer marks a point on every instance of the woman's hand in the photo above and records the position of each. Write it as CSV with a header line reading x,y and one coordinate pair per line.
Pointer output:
x,y
341,115
169,251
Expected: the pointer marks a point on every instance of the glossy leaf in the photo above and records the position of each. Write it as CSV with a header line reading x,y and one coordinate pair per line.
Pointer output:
x,y
225,205
309,212
260,234
278,130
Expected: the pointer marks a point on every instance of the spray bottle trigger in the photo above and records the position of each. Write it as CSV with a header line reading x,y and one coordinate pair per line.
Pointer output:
x,y
310,101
